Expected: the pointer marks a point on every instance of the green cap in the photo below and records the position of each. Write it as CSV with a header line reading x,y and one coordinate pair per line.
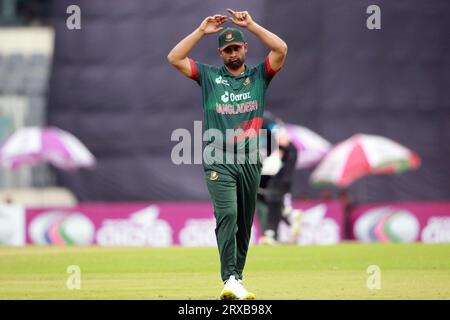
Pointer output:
x,y
231,36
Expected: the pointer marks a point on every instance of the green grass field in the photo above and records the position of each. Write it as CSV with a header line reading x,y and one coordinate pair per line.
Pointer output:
x,y
415,271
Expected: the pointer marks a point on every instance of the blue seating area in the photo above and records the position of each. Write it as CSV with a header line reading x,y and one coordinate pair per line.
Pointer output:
x,y
24,74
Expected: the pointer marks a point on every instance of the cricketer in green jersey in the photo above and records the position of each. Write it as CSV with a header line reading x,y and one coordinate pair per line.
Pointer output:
x,y
233,101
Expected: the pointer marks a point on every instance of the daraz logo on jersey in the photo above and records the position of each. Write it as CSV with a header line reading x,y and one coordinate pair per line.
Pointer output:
x,y
234,97
225,97
219,80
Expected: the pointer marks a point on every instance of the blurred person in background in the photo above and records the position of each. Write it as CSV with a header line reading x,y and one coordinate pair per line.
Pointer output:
x,y
348,204
274,196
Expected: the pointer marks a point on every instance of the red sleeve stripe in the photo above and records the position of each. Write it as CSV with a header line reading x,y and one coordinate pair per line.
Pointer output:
x,y
269,69
194,70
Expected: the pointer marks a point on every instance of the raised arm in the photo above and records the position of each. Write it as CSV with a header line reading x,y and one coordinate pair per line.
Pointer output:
x,y
178,56
278,48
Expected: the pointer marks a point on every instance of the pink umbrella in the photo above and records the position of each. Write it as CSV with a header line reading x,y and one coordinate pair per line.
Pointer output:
x,y
311,147
33,145
361,155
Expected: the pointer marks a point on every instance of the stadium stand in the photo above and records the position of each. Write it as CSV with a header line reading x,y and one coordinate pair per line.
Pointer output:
x,y
25,64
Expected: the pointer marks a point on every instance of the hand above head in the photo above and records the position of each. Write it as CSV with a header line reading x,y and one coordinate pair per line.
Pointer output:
x,y
240,18
212,24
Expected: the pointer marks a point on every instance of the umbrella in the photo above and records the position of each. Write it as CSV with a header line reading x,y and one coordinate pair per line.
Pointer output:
x,y
33,145
311,147
361,155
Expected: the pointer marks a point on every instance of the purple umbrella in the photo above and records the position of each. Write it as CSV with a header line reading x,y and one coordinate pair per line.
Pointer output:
x,y
311,147
33,145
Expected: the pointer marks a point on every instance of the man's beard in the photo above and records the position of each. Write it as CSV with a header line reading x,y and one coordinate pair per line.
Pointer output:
x,y
235,64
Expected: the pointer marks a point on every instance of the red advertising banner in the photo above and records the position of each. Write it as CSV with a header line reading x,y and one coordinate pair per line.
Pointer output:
x,y
164,224
427,222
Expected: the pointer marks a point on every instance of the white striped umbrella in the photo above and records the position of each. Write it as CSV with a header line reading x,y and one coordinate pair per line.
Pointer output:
x,y
33,145
361,155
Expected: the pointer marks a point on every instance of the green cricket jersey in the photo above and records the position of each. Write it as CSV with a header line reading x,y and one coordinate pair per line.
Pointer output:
x,y
233,102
